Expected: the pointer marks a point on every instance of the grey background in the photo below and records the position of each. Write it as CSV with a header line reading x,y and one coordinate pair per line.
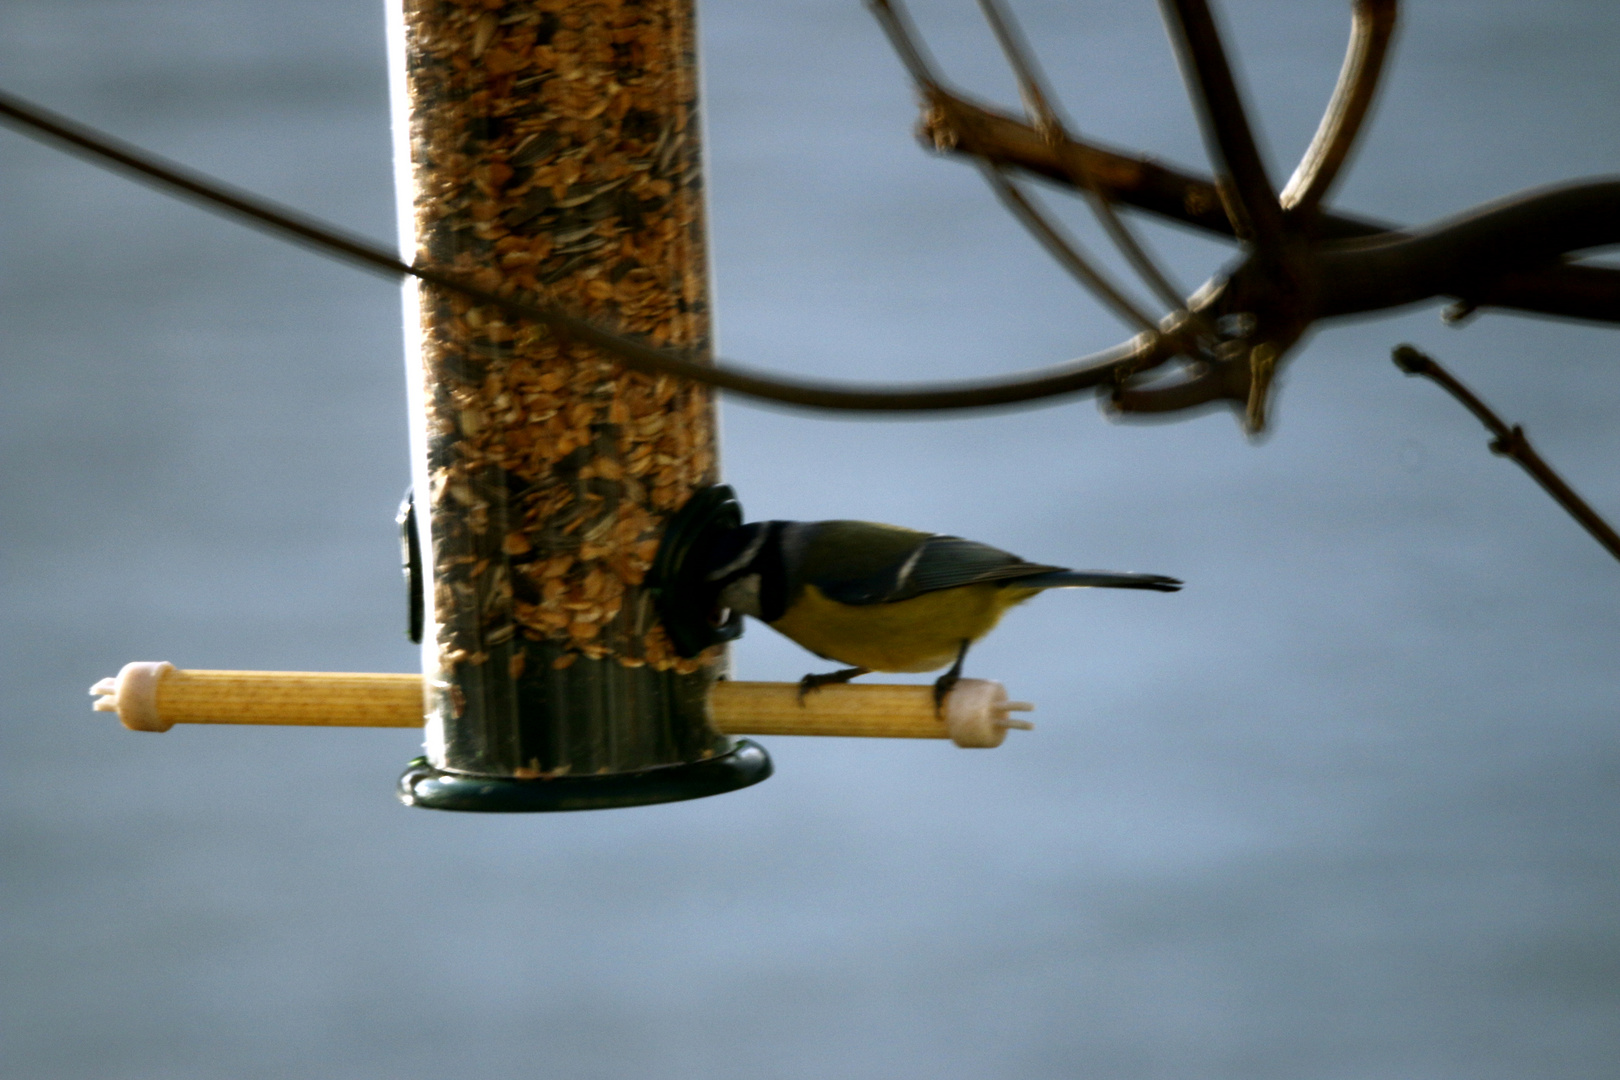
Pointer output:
x,y
1345,808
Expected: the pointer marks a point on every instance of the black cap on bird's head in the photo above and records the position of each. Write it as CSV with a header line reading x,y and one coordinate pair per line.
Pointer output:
x,y
745,572
732,554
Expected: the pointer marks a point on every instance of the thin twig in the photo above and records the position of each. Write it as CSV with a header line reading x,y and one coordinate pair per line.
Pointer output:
x,y
907,44
1031,84
1065,250
1038,103
1511,442
893,17
1086,373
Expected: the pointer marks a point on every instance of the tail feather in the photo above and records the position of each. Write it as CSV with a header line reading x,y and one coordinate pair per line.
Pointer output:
x,y
1101,579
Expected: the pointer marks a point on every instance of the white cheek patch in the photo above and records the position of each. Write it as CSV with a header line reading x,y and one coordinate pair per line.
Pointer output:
x,y
742,595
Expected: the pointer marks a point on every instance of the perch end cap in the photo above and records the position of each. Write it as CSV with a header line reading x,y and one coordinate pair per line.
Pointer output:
x,y
132,694
977,713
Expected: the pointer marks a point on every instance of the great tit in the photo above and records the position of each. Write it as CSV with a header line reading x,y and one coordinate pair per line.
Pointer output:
x,y
882,597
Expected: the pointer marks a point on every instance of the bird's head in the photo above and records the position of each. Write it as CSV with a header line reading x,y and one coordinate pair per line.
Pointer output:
x,y
735,573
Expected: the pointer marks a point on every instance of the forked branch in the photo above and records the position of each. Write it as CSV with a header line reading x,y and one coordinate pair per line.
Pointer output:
x,y
907,44
954,124
1300,263
1300,266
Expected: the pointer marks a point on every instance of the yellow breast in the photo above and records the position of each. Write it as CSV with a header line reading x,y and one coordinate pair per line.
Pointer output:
x,y
920,634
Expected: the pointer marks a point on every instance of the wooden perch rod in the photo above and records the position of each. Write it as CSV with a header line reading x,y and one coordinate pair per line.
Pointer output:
x,y
156,696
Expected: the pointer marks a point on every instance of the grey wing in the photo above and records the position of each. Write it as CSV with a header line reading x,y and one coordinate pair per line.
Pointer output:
x,y
944,562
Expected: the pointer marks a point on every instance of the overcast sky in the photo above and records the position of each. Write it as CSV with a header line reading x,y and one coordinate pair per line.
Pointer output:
x,y
1343,809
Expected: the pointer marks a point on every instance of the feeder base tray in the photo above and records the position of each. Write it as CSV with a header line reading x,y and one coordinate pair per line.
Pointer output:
x,y
423,785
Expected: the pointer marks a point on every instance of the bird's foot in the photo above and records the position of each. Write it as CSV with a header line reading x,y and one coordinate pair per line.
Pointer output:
x,y
947,682
943,687
816,682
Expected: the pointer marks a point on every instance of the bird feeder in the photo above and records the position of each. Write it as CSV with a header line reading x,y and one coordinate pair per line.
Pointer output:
x,y
550,152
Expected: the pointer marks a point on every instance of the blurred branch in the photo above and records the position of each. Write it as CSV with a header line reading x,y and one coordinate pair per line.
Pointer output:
x,y
953,124
1480,255
906,43
1065,251
1233,334
1105,368
1511,442
1371,28
1225,124
895,21
1038,103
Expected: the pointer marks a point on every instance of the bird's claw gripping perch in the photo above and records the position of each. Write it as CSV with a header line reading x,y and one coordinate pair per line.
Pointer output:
x,y
947,682
813,681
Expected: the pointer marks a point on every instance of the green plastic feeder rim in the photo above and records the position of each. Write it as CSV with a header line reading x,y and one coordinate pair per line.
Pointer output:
x,y
679,581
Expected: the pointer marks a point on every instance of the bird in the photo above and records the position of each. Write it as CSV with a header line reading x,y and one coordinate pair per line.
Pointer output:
x,y
882,597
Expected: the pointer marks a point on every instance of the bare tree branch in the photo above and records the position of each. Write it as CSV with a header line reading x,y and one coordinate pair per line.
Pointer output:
x,y
896,24
1512,254
955,124
1083,374
1049,121
1371,29
892,16
1021,58
1066,251
1200,385
907,44
1478,254
1511,442
1225,123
